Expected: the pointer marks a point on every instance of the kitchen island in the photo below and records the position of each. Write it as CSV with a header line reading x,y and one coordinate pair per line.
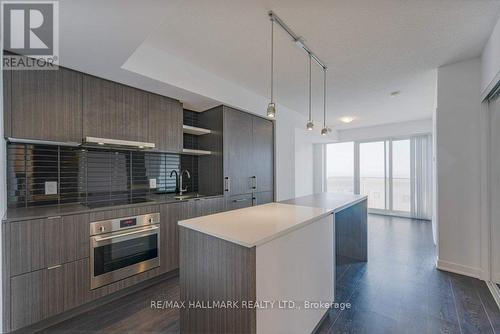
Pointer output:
x,y
263,269
351,226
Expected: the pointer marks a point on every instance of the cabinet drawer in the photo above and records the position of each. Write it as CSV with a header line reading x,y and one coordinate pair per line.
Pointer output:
x,y
32,245
36,296
41,243
239,201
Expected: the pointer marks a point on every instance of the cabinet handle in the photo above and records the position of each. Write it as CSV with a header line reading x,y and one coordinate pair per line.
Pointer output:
x,y
254,182
241,200
54,217
54,267
227,184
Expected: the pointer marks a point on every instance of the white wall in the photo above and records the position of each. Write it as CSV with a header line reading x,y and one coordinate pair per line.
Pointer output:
x,y
423,126
490,62
458,144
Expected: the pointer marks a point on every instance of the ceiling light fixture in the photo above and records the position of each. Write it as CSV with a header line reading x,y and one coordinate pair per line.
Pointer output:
x,y
299,41
310,124
324,131
271,108
346,119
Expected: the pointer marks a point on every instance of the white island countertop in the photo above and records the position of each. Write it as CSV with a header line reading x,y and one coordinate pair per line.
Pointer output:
x,y
256,225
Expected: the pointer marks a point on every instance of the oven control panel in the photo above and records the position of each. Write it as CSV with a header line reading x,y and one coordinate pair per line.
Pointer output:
x,y
113,225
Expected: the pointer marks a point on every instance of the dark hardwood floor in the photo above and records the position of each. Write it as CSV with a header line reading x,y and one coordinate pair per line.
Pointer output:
x,y
397,291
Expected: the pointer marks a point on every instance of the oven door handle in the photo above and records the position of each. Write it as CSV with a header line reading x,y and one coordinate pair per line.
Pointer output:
x,y
152,228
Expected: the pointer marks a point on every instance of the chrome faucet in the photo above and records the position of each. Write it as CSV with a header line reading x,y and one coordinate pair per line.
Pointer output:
x,y
184,171
176,179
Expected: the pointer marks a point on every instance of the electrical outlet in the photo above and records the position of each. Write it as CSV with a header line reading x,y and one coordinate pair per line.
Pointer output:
x,y
152,183
50,187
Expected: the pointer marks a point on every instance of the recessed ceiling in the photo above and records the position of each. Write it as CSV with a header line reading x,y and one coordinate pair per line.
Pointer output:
x,y
372,48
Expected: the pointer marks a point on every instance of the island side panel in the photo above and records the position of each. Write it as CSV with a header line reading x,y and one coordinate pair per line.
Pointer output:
x,y
352,233
298,266
212,269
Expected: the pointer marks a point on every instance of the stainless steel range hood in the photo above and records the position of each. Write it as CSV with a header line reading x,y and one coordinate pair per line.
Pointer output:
x,y
94,141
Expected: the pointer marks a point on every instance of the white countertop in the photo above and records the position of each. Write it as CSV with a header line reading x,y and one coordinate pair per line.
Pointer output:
x,y
335,201
256,225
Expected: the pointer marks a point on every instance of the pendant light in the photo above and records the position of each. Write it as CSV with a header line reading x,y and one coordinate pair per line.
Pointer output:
x,y
324,131
310,124
271,108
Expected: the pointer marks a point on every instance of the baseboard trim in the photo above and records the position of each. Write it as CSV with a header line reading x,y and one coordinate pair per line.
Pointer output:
x,y
495,291
459,269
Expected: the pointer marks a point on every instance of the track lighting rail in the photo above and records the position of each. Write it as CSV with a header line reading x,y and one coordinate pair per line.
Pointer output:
x,y
296,39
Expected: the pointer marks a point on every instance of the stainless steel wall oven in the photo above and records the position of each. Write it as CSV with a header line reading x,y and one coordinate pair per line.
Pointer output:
x,y
120,248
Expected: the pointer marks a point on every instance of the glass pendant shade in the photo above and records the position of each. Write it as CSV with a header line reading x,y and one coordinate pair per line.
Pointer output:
x,y
271,110
324,131
310,126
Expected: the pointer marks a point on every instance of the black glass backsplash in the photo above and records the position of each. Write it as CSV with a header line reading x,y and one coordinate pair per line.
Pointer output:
x,y
90,175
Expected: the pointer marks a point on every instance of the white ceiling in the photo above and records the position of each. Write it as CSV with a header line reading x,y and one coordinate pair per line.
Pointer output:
x,y
371,47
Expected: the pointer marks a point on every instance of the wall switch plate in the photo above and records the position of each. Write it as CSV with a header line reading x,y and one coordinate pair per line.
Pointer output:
x,y
152,183
50,187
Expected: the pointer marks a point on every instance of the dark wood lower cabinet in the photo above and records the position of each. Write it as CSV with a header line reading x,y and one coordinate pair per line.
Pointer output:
x,y
51,276
263,197
170,214
239,202
36,296
76,283
209,206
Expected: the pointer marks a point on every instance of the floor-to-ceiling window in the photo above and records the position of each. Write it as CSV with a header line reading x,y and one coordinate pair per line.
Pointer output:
x,y
394,173
340,167
372,173
401,175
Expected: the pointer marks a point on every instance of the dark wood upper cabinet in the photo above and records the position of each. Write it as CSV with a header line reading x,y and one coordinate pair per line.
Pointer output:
x,y
263,154
248,153
46,105
7,103
238,151
115,111
165,123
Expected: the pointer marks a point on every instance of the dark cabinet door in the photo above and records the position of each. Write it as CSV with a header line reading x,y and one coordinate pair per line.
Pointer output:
x,y
47,105
42,243
263,155
75,237
112,110
209,206
263,197
27,250
38,295
238,152
170,214
76,283
7,103
239,202
165,123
